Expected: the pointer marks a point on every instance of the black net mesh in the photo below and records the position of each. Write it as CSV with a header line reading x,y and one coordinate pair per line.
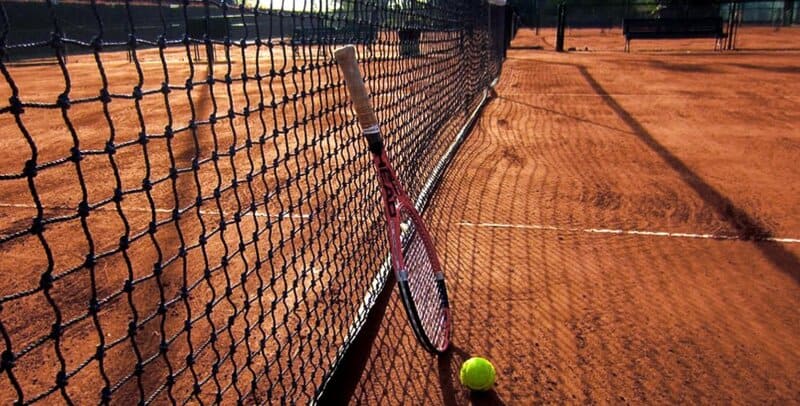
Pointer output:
x,y
187,209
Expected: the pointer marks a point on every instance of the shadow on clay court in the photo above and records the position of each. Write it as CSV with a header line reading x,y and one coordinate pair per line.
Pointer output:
x,y
682,67
562,114
343,385
745,226
384,356
529,47
774,69
543,310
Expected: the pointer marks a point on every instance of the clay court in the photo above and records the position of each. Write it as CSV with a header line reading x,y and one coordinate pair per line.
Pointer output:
x,y
618,228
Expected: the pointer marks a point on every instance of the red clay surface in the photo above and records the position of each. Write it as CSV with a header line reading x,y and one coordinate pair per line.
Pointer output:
x,y
299,187
575,148
698,145
223,300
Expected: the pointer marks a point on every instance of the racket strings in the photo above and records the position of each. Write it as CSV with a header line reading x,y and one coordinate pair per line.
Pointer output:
x,y
424,290
423,282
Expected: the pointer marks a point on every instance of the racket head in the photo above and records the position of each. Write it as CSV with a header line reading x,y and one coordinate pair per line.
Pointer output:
x,y
421,281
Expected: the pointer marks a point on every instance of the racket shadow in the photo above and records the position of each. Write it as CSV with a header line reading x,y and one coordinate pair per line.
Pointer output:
x,y
746,226
344,384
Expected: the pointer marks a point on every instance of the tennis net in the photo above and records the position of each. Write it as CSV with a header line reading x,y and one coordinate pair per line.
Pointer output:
x,y
187,208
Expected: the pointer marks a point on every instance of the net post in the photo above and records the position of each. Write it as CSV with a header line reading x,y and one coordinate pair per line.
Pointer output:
x,y
562,11
737,21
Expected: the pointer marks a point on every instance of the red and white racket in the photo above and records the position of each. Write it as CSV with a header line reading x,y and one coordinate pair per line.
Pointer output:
x,y
416,266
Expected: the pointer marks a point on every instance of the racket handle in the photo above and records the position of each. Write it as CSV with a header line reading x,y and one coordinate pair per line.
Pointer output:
x,y
346,57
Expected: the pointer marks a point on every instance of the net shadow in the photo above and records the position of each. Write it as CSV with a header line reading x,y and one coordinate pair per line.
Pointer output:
x,y
745,226
568,315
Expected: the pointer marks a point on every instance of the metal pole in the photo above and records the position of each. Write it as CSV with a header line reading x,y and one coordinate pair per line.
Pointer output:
x,y
730,27
788,12
560,28
739,20
733,27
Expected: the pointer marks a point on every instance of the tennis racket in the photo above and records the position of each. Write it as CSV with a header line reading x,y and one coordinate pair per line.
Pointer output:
x,y
419,274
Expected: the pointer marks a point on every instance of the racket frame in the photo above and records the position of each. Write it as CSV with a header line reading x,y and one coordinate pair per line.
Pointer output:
x,y
395,199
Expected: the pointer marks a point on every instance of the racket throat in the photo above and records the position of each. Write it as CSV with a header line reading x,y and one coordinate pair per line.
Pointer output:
x,y
440,286
374,139
402,275
389,189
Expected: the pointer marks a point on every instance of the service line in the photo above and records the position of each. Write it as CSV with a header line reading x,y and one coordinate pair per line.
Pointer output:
x,y
684,95
626,232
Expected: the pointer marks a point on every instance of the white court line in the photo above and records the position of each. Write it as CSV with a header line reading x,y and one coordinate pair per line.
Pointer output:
x,y
686,95
147,210
624,232
608,94
592,94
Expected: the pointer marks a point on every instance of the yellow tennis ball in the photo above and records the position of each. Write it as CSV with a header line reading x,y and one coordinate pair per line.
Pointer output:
x,y
477,374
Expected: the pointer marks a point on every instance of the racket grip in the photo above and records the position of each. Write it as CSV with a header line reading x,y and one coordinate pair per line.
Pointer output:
x,y
346,58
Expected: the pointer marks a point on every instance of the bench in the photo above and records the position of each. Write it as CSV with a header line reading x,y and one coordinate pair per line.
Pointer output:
x,y
672,28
